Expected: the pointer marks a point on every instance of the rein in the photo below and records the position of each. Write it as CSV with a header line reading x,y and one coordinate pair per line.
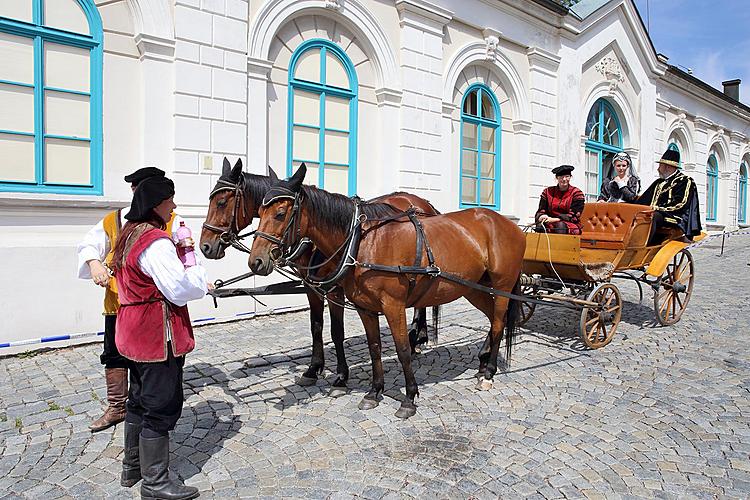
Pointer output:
x,y
230,235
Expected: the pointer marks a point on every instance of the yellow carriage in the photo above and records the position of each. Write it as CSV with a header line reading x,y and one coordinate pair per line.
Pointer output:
x,y
578,269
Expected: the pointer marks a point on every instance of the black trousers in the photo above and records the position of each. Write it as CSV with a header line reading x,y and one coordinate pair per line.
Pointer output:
x,y
155,398
657,221
111,357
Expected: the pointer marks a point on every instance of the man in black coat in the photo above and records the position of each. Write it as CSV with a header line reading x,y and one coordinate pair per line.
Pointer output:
x,y
674,198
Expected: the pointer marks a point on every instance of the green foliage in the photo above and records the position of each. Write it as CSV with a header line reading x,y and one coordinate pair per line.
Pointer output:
x,y
69,411
52,406
3,417
19,423
95,396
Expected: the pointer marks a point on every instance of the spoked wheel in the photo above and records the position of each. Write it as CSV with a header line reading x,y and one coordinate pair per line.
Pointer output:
x,y
527,308
598,324
673,294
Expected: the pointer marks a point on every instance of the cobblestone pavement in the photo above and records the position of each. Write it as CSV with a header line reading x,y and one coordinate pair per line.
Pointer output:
x,y
660,412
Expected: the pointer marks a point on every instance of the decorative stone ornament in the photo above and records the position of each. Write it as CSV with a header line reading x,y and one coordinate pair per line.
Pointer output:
x,y
492,43
612,71
334,4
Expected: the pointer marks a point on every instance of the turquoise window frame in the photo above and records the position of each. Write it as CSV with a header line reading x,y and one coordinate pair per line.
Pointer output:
x,y
675,147
712,178
742,194
480,121
598,146
324,90
40,34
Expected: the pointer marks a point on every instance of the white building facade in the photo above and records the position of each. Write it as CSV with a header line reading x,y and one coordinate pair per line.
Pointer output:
x,y
465,102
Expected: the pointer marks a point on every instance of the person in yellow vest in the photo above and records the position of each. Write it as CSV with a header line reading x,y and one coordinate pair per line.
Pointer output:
x,y
94,257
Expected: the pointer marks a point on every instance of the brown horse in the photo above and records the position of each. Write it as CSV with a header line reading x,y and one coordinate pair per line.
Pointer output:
x,y
476,245
233,204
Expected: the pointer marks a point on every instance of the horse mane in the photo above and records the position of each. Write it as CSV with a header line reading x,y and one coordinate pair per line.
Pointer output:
x,y
256,186
335,210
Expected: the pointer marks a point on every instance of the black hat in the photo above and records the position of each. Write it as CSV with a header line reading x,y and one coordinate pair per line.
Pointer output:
x,y
563,170
149,193
143,173
670,157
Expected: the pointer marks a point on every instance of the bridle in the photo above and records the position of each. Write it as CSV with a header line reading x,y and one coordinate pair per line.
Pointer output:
x,y
230,235
290,244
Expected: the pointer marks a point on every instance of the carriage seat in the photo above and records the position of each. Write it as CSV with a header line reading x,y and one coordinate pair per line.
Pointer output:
x,y
615,225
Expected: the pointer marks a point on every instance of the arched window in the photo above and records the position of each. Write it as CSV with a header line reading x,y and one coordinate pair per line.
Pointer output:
x,y
742,194
480,148
50,96
604,138
322,118
674,147
712,187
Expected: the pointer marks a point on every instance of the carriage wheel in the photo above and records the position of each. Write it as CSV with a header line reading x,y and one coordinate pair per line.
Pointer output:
x,y
673,294
598,325
527,308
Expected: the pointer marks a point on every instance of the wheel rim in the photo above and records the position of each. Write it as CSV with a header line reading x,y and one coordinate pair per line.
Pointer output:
x,y
598,325
527,308
672,297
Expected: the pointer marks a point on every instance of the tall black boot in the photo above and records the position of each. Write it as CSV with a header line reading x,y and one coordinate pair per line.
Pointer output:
x,y
131,465
157,483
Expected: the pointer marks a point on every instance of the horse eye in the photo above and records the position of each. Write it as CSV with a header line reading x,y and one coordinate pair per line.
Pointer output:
x,y
221,203
280,215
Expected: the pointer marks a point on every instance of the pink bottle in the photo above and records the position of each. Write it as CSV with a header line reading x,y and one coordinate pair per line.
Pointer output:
x,y
186,254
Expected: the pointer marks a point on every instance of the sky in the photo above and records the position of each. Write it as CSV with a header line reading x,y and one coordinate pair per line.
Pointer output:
x,y
711,37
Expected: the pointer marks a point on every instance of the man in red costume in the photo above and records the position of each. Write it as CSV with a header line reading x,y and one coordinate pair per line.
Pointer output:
x,y
154,332
560,206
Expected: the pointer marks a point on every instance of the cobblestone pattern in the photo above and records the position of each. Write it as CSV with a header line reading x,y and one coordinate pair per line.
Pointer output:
x,y
660,412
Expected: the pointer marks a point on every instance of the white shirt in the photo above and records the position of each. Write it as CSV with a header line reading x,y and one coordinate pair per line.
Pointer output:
x,y
95,244
178,285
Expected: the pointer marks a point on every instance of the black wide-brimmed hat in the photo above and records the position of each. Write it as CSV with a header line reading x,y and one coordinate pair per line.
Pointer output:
x,y
143,173
149,193
670,157
563,170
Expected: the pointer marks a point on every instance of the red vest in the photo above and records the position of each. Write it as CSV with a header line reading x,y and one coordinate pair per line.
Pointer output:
x,y
141,333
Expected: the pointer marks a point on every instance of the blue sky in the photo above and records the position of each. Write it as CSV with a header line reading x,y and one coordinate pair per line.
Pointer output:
x,y
712,37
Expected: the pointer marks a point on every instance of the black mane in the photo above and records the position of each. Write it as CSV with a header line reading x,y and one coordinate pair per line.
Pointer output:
x,y
336,210
256,186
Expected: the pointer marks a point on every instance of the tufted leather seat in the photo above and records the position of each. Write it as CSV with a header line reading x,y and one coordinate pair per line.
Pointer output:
x,y
610,225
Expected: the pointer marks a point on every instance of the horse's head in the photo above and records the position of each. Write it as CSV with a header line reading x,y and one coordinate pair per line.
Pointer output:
x,y
280,221
230,210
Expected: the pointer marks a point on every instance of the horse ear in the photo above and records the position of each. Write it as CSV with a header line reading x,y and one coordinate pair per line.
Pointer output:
x,y
295,181
236,170
272,175
227,167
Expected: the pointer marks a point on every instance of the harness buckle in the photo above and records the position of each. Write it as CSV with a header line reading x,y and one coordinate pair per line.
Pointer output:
x,y
433,271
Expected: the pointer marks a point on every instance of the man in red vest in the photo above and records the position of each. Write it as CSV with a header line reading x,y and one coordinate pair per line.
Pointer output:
x,y
154,332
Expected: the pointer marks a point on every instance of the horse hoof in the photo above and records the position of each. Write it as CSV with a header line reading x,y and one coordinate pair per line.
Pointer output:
x,y
484,384
406,412
337,392
480,374
305,381
368,404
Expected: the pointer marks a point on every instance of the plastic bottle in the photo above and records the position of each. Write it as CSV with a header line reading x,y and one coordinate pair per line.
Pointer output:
x,y
186,253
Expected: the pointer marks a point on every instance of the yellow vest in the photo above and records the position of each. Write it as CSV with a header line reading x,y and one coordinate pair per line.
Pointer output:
x,y
112,227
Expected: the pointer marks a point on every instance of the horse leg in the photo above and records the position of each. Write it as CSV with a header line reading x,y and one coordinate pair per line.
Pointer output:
x,y
336,311
317,362
496,336
372,329
396,316
418,330
484,303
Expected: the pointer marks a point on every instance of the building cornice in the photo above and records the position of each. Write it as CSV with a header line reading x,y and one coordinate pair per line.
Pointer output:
x,y
540,59
258,69
423,15
388,97
155,48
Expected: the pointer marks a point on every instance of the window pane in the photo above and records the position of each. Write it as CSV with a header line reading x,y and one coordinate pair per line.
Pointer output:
x,y
468,190
66,67
337,147
311,177
488,139
592,176
470,103
16,108
17,158
468,163
335,72
488,165
337,113
67,162
65,15
592,123
487,192
305,142
488,110
306,107
308,66
336,179
17,56
66,114
20,10
469,135
611,131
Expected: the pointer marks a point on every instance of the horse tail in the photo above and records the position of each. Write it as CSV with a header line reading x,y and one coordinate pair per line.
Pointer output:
x,y
435,321
512,316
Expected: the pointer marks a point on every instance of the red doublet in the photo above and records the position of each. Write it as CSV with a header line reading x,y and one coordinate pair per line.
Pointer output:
x,y
565,205
141,333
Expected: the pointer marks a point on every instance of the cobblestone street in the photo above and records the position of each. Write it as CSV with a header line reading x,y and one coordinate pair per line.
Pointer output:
x,y
660,412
